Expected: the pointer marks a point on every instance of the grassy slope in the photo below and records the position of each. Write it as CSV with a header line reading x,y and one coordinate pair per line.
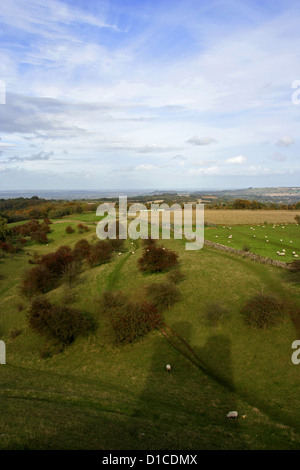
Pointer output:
x,y
97,395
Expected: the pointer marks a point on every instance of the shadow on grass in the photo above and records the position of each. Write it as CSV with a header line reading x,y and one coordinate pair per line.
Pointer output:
x,y
204,402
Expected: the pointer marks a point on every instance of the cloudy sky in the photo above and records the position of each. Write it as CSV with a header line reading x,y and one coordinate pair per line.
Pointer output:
x,y
162,94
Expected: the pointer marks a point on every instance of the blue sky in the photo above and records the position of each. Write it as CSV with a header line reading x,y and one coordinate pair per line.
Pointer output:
x,y
155,94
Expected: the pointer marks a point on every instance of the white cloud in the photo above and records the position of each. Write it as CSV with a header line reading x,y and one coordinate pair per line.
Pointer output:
x,y
201,140
118,96
239,160
285,141
205,162
145,167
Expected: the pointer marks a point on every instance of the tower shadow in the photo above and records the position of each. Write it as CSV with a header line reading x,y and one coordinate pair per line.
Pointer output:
x,y
195,395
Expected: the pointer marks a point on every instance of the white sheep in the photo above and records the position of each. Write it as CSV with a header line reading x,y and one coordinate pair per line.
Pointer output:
x,y
168,367
232,415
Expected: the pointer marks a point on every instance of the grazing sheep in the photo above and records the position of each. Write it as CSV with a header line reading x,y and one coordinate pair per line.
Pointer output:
x,y
168,367
232,415
120,254
295,256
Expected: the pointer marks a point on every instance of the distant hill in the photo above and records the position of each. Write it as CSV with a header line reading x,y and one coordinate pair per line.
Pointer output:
x,y
283,195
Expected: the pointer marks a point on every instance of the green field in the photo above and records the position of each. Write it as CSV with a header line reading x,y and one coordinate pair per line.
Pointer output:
x,y
97,395
279,238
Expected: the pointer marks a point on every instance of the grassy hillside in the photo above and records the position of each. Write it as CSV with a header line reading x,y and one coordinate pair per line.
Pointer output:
x,y
99,395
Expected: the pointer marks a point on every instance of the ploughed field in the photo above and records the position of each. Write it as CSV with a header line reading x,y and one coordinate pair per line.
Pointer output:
x,y
240,217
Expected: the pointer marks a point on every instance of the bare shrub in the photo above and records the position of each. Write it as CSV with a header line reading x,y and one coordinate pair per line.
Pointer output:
x,y
100,253
163,295
82,249
176,276
157,259
69,229
214,313
36,281
263,311
59,322
129,320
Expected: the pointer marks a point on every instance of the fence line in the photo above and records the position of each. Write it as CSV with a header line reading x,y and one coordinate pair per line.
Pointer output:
x,y
248,254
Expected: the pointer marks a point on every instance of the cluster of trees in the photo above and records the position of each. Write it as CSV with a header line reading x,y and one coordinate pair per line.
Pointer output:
x,y
81,228
99,253
35,230
48,272
5,236
18,209
131,320
251,205
64,265
13,239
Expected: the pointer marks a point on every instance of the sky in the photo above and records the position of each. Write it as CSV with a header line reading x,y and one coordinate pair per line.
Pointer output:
x,y
155,94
